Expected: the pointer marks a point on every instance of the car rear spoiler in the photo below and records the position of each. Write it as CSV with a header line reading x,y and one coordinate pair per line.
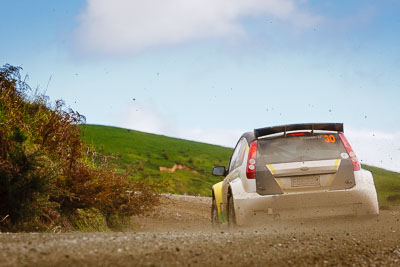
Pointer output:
x,y
336,127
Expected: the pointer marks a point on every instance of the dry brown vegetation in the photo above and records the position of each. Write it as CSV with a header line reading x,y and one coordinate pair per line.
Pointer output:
x,y
48,177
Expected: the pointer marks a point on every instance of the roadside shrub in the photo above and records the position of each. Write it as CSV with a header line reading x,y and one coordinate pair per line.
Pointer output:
x,y
89,220
47,174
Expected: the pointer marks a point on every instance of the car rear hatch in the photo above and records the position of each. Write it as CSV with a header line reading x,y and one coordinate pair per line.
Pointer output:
x,y
303,162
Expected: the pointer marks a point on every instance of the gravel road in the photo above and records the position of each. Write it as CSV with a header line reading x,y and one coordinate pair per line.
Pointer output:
x,y
179,233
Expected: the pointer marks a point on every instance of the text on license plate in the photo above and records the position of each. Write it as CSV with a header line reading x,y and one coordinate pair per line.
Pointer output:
x,y
306,181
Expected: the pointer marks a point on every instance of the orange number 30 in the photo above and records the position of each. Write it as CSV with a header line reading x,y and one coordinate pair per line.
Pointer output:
x,y
329,138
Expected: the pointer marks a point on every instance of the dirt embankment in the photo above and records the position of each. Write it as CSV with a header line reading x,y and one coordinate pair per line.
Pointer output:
x,y
179,233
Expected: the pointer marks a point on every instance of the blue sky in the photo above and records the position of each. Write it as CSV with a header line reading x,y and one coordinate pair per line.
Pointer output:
x,y
208,70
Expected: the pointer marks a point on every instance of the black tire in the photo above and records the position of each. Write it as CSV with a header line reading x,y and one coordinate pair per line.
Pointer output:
x,y
231,212
214,213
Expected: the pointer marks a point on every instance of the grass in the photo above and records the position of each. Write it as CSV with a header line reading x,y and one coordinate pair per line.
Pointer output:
x,y
144,153
387,185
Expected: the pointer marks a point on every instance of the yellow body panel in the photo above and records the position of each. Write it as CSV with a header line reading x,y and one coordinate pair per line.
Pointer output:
x,y
217,189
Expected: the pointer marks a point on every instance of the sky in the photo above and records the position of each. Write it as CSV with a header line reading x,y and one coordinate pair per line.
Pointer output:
x,y
209,70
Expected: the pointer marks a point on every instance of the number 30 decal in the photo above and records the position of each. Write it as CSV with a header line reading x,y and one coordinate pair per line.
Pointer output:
x,y
329,138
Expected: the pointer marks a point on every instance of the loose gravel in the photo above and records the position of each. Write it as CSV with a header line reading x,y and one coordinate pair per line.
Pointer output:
x,y
179,234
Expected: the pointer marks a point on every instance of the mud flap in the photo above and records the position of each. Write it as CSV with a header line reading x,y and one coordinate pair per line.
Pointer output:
x,y
217,189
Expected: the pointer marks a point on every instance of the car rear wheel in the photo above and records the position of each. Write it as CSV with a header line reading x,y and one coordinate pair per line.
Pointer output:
x,y
231,213
214,213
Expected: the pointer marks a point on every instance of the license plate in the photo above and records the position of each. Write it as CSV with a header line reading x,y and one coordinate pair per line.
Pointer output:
x,y
306,181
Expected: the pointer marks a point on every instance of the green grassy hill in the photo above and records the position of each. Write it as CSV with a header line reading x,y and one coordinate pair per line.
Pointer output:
x,y
144,154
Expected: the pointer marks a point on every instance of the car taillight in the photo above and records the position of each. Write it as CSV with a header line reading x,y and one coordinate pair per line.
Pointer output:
x,y
251,161
353,157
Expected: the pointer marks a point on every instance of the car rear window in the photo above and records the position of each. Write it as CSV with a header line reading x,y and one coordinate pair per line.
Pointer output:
x,y
301,148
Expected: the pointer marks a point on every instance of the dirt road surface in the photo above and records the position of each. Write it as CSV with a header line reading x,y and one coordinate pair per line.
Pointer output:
x,y
179,234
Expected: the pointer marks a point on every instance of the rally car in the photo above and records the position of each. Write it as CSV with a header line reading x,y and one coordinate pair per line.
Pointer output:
x,y
291,171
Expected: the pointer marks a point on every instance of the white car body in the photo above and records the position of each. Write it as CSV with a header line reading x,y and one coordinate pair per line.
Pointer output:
x,y
249,205
294,201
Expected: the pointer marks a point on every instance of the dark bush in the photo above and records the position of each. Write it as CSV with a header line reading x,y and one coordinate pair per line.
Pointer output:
x,y
47,174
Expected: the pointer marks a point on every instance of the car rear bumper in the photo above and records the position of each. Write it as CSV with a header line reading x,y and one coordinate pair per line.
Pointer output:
x,y
359,200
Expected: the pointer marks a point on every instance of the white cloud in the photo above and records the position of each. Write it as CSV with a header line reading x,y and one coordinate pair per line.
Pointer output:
x,y
129,26
376,148
223,137
145,119
150,120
